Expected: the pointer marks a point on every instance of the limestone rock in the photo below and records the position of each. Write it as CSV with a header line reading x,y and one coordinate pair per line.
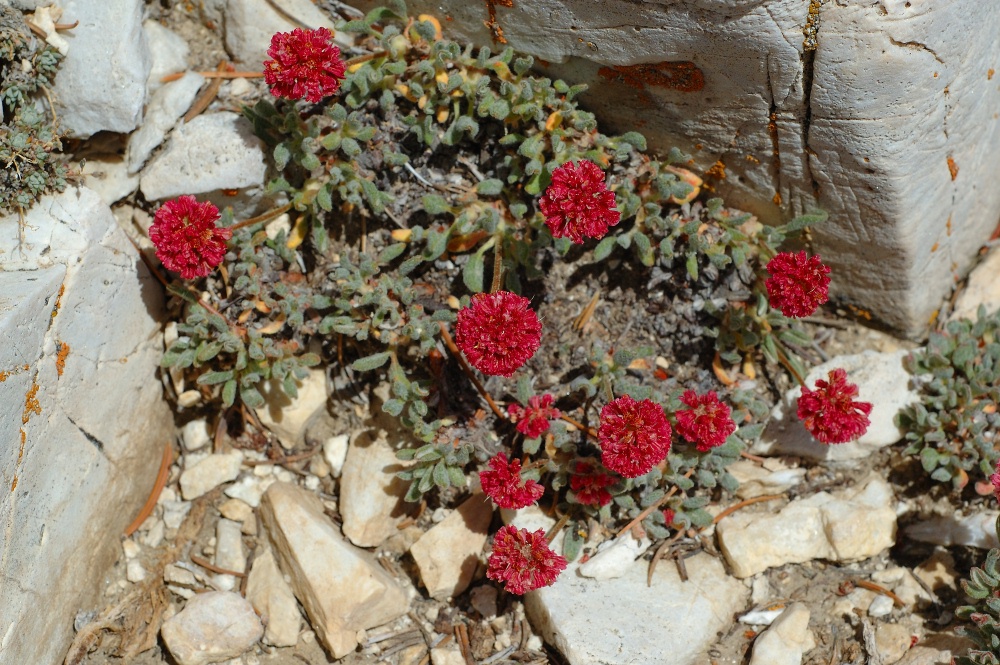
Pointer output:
x,y
101,85
849,116
938,571
983,289
787,639
848,525
448,554
921,655
212,627
679,619
288,418
108,176
272,597
166,107
229,552
212,152
771,478
194,435
78,311
335,453
892,640
168,53
881,380
341,587
209,473
371,496
251,23
975,530
614,557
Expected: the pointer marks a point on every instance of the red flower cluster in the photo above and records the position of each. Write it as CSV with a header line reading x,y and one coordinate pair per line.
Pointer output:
x,y
829,412
498,332
798,283
995,480
305,64
186,237
708,422
522,560
578,204
633,436
502,483
533,420
590,485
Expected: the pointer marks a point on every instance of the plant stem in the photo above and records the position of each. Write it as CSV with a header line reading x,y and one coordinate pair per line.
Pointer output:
x,y
266,217
497,265
649,510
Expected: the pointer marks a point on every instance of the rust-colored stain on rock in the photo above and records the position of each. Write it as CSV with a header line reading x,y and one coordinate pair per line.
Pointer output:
x,y
681,75
952,167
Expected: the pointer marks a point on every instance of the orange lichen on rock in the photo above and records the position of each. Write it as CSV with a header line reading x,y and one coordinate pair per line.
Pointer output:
x,y
31,404
61,357
717,170
491,22
989,74
681,75
776,199
952,167
55,308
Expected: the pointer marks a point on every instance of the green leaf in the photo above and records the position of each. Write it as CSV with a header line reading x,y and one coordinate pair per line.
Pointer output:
x,y
212,378
391,252
229,393
490,187
371,362
472,273
251,397
435,205
440,475
603,249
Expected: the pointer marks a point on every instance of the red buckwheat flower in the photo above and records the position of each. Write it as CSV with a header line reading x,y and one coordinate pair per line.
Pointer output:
x,y
995,480
305,64
533,420
708,422
633,436
589,485
186,237
502,483
578,204
829,412
798,283
522,560
498,332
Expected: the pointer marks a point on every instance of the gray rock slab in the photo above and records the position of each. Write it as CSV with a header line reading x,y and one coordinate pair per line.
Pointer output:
x,y
72,288
867,115
272,597
983,289
168,52
166,107
108,176
975,530
447,555
251,23
849,525
342,588
881,380
786,640
371,496
212,627
101,85
212,152
624,621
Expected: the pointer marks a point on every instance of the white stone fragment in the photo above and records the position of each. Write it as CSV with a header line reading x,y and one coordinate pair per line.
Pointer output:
x,y
130,549
236,510
880,607
195,436
371,496
848,525
248,489
757,481
168,52
165,108
174,513
787,639
680,619
176,575
921,655
881,380
614,557
212,627
975,530
251,23
209,473
447,655
271,595
761,617
134,572
101,84
983,289
213,152
45,19
342,588
335,452
229,552
892,640
448,554
154,534
287,418
108,176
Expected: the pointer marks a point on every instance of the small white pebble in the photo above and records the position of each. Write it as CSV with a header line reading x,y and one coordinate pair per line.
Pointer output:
x,y
131,548
312,483
534,643
307,637
880,607
263,470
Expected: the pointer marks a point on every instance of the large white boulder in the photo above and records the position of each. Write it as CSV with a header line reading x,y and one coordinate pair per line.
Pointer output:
x,y
882,113
85,420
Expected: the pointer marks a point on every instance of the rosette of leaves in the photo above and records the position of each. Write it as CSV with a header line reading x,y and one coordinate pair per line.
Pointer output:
x,y
28,136
983,628
953,428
